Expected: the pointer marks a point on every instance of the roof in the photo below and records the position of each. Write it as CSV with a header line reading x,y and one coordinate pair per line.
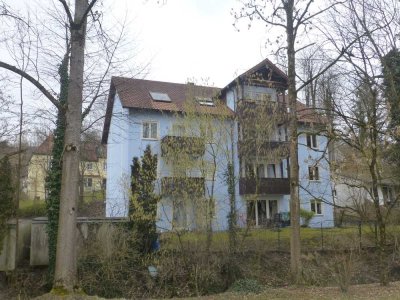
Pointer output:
x,y
307,114
46,146
270,73
135,93
90,151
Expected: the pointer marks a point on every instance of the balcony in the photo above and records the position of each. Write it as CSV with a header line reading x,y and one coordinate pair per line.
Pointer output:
x,y
182,186
251,147
275,186
176,146
253,107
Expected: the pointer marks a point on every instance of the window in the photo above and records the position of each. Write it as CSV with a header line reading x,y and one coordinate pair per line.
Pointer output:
x,y
149,130
104,183
316,206
88,182
160,97
312,141
178,130
89,166
387,194
206,132
205,101
313,173
271,171
249,171
105,166
261,171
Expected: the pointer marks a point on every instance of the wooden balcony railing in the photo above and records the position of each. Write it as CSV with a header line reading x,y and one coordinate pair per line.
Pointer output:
x,y
276,186
254,147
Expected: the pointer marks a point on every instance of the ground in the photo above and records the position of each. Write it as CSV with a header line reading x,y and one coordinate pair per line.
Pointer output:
x,y
364,291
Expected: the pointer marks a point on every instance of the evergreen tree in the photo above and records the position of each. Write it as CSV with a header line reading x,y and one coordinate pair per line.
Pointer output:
x,y
391,72
143,204
7,208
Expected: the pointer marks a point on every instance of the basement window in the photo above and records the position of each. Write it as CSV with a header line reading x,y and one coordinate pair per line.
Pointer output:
x,y
160,97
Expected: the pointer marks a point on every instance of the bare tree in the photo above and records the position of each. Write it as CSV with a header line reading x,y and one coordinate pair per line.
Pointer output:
x,y
293,19
363,121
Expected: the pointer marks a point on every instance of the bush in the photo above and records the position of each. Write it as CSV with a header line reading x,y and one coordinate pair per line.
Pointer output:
x,y
246,286
33,210
306,215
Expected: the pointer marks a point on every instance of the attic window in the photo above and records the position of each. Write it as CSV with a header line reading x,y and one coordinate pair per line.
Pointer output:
x,y
160,97
205,101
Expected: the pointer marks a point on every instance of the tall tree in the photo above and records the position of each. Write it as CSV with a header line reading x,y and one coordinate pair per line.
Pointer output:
x,y
363,120
294,19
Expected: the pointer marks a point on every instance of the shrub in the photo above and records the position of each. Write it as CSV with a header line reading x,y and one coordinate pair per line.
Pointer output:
x,y
306,215
246,286
33,210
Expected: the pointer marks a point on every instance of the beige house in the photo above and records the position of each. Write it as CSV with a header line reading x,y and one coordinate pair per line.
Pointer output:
x,y
92,175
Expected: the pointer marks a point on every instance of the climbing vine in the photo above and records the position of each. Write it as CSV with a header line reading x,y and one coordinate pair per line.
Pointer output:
x,y
53,179
7,208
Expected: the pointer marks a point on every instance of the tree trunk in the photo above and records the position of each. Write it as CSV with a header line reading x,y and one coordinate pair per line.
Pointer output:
x,y
295,263
66,265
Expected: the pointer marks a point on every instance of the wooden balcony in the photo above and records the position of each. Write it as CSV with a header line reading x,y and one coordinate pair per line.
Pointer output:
x,y
252,147
182,186
271,186
182,145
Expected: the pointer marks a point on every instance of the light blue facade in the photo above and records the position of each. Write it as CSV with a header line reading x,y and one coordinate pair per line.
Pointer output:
x,y
315,189
125,140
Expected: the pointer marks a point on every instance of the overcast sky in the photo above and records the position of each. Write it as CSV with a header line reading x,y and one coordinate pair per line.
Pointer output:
x,y
193,39
181,40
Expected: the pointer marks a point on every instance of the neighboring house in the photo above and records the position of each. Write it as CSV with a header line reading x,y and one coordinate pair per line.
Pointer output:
x,y
144,112
92,169
353,185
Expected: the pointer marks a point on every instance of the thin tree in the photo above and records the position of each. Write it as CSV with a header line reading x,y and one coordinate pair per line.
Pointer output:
x,y
294,19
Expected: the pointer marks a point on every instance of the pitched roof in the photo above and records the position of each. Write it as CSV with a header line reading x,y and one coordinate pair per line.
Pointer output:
x,y
264,72
135,93
46,146
90,151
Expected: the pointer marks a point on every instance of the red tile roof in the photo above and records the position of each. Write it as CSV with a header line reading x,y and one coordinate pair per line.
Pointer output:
x,y
135,93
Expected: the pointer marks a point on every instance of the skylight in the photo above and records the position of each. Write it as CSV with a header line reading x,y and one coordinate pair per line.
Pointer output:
x,y
205,101
160,97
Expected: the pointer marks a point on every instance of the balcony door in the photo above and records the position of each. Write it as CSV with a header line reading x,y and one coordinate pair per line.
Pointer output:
x,y
261,212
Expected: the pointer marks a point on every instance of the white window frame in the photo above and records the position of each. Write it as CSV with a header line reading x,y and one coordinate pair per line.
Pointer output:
x,y
316,202
313,169
313,138
158,130
86,182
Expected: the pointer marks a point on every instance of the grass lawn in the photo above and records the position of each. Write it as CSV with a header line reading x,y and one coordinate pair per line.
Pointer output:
x,y
271,239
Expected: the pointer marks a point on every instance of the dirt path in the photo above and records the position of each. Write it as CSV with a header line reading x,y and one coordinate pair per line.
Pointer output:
x,y
362,292
365,292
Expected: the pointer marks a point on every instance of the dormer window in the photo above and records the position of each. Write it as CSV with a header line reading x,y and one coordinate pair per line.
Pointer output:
x,y
160,97
205,101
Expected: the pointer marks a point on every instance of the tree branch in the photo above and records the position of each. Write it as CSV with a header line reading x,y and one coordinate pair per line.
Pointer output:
x,y
32,80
